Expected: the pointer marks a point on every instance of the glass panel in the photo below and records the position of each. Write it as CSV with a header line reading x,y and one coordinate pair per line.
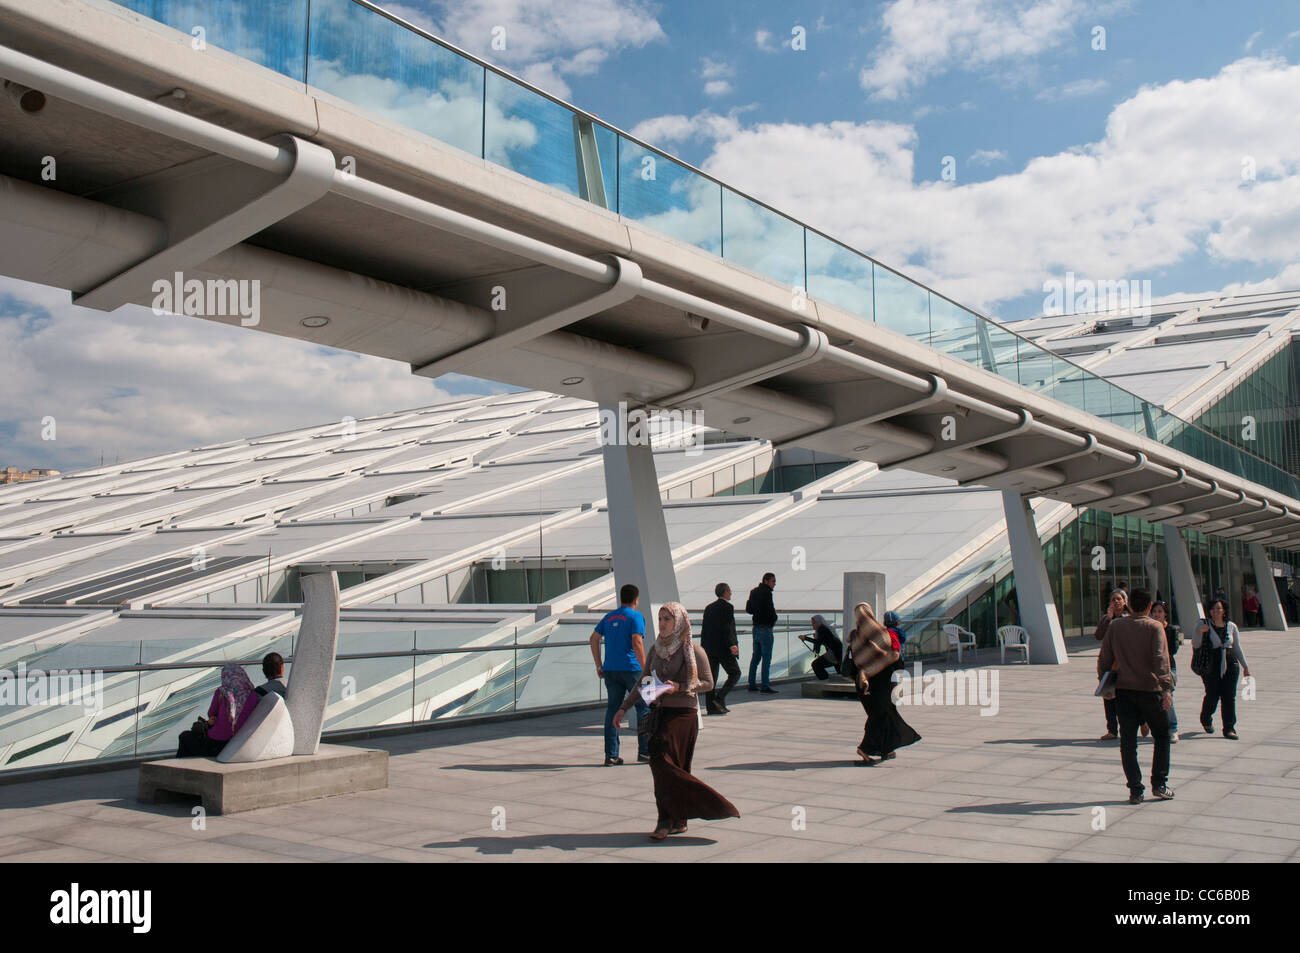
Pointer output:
x,y
272,34
667,196
760,239
376,64
952,330
902,305
839,276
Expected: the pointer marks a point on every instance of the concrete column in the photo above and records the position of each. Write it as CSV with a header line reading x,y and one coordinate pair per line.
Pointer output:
x,y
1269,600
1186,596
868,587
313,659
1033,590
637,531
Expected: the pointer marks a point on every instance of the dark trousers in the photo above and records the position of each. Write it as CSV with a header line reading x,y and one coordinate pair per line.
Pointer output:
x,y
1134,708
1221,690
1112,720
728,663
198,746
824,664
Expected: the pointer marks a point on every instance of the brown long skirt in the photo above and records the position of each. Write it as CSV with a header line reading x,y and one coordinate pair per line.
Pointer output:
x,y
680,795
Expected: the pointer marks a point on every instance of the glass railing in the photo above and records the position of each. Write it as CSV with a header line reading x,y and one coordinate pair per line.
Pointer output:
x,y
352,50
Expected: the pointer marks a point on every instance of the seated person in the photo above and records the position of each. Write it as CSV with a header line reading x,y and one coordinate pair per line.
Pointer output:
x,y
894,624
231,705
273,669
824,638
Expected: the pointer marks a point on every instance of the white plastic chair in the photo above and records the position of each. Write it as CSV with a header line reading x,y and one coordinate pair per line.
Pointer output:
x,y
1013,637
959,638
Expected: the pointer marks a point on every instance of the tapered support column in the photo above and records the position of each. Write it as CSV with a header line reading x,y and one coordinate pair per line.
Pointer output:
x,y
313,659
1187,597
637,531
1033,589
1269,600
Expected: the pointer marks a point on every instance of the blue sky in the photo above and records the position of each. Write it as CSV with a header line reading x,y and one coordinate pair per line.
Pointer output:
x,y
1122,163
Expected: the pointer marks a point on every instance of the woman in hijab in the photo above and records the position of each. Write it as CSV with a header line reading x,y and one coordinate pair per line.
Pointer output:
x,y
1116,607
673,725
875,654
832,649
231,705
1227,662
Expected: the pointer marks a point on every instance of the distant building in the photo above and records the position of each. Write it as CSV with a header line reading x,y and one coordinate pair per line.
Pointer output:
x,y
15,475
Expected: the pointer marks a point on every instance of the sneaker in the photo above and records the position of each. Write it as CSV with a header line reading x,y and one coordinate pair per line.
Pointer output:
x,y
1136,797
1173,737
767,691
1229,734
1162,793
610,762
643,758
1207,727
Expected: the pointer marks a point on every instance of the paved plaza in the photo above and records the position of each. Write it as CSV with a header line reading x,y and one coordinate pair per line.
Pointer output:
x,y
1030,783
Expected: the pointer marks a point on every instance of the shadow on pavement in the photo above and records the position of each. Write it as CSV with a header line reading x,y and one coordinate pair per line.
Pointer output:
x,y
1030,807
785,765
508,845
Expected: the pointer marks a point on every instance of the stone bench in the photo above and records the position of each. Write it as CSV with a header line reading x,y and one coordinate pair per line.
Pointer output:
x,y
229,788
835,687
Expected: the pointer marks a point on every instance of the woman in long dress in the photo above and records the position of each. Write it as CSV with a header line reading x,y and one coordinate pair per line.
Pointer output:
x,y
885,730
682,664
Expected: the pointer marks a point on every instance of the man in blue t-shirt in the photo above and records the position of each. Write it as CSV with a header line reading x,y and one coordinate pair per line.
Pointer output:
x,y
623,632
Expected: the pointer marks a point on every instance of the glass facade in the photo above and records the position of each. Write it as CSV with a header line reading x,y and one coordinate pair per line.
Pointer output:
x,y
349,50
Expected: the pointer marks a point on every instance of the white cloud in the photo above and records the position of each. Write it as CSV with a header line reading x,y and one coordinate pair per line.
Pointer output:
x,y
717,75
663,131
717,87
925,38
547,40
133,383
987,156
1072,90
1162,186
763,40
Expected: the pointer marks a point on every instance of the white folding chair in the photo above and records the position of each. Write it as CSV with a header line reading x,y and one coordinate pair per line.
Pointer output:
x,y
1013,637
959,638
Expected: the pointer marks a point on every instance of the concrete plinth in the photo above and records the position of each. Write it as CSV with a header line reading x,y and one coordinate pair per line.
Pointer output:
x,y
831,688
229,788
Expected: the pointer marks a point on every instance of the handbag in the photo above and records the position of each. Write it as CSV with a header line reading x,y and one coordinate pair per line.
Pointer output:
x,y
648,723
1203,657
200,728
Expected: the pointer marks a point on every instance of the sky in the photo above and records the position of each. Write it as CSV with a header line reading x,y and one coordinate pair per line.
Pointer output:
x,y
984,147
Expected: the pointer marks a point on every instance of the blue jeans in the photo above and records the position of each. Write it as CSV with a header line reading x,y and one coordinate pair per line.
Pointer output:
x,y
617,685
763,642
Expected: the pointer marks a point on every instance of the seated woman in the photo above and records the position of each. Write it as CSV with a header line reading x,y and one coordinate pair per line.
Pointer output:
x,y
231,705
825,639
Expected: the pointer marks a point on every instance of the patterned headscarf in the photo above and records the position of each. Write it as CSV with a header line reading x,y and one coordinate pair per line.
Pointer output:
x,y
235,686
679,637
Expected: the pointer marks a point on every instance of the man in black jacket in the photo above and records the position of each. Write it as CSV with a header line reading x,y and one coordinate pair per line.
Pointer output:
x,y
763,613
718,639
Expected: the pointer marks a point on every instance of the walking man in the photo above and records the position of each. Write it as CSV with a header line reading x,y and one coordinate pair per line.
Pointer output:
x,y
718,639
623,631
1134,647
762,612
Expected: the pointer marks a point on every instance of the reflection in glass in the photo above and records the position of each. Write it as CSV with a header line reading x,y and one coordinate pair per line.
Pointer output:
x,y
902,305
759,239
271,34
839,276
668,197
376,64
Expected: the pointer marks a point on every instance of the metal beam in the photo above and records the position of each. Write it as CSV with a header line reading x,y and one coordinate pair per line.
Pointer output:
x,y
815,345
1089,445
938,391
1026,420
513,330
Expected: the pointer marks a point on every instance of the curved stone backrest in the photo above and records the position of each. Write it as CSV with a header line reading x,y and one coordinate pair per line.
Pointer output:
x,y
313,659
267,734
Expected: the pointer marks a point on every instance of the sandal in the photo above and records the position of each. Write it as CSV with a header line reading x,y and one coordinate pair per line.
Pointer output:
x,y
1108,736
659,833
679,829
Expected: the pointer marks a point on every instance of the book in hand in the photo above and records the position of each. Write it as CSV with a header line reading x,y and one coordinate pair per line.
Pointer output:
x,y
1106,686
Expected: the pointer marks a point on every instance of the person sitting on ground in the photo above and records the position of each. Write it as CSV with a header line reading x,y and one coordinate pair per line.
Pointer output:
x,y
273,670
825,640
231,705
894,623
